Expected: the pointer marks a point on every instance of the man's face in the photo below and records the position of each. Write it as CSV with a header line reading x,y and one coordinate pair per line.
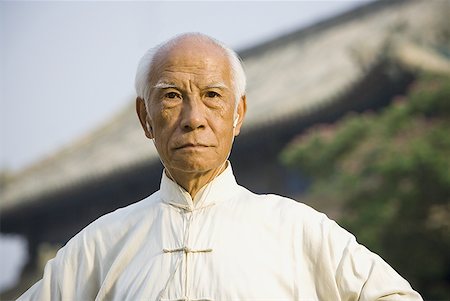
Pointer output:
x,y
192,107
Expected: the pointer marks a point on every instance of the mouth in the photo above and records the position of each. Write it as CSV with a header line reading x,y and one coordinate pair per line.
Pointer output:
x,y
192,146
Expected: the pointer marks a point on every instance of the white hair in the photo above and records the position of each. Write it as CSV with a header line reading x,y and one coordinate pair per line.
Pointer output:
x,y
144,69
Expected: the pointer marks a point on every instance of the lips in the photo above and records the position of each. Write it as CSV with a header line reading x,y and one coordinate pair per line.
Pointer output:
x,y
192,146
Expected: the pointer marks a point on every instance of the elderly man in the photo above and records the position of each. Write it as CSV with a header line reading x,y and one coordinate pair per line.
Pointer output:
x,y
202,236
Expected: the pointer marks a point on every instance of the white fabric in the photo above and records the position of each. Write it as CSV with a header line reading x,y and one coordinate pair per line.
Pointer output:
x,y
227,244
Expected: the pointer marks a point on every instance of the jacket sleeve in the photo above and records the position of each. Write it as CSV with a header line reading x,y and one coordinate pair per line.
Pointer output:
x,y
71,275
359,274
47,288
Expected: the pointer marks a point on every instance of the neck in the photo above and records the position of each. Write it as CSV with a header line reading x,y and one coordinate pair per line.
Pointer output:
x,y
192,182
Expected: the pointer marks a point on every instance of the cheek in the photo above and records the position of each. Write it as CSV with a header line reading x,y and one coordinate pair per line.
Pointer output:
x,y
165,117
226,136
227,108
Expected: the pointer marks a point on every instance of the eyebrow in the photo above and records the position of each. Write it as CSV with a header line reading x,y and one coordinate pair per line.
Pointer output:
x,y
217,85
165,85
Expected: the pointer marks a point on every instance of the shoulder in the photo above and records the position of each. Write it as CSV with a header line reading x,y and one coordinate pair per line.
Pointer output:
x,y
277,205
319,235
87,257
294,217
111,228
126,217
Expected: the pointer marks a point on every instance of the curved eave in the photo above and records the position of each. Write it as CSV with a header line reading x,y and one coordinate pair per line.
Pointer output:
x,y
289,77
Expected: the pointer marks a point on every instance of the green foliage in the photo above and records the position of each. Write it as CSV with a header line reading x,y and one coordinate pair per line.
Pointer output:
x,y
391,172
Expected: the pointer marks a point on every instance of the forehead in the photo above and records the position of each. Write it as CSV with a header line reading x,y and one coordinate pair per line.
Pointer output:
x,y
202,62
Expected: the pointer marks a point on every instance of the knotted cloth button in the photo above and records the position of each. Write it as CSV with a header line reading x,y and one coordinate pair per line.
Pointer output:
x,y
186,250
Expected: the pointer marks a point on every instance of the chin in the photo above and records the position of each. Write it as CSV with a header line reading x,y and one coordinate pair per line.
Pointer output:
x,y
198,165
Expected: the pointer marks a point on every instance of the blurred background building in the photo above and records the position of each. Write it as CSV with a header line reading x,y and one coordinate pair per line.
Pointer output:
x,y
359,61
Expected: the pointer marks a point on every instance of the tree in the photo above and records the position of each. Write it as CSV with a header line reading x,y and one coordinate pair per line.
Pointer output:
x,y
391,173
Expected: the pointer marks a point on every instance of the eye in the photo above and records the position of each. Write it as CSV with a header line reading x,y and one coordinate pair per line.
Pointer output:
x,y
172,95
212,94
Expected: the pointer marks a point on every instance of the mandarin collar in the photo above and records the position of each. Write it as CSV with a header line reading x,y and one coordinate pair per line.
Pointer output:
x,y
219,189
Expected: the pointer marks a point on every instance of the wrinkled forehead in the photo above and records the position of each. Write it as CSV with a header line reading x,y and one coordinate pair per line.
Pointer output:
x,y
204,59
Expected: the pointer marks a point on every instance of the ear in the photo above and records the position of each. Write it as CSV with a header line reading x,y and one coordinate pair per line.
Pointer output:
x,y
144,118
241,110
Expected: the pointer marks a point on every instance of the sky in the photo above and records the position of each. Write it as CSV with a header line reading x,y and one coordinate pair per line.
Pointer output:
x,y
66,67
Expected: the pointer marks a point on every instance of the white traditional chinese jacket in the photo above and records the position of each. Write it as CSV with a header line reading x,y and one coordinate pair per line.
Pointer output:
x,y
226,244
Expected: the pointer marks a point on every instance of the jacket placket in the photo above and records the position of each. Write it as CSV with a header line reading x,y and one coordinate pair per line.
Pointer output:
x,y
184,252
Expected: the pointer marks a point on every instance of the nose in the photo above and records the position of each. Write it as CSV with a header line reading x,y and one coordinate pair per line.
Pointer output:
x,y
193,115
